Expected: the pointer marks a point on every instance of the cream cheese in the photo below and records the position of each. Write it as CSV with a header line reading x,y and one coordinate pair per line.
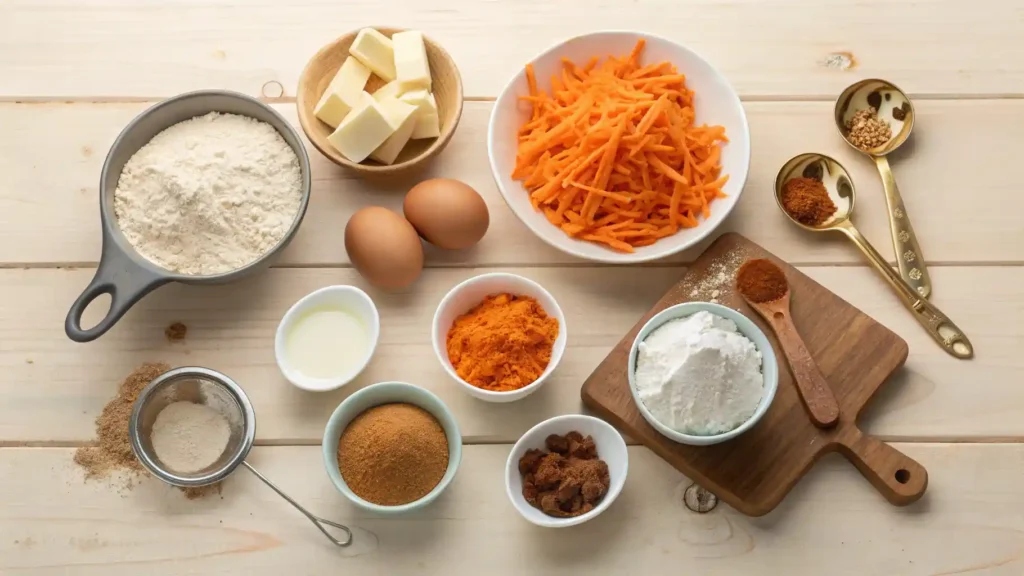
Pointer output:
x,y
698,375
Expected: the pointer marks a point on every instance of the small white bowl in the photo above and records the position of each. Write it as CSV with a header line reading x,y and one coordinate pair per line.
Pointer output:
x,y
716,104
769,368
610,447
348,298
390,393
468,294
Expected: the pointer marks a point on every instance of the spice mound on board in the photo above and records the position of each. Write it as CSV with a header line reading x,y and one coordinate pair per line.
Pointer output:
x,y
393,454
761,281
111,457
699,375
867,130
807,200
567,481
502,344
715,283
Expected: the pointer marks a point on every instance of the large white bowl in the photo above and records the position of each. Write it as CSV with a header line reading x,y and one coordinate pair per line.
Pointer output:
x,y
769,369
468,294
716,104
610,447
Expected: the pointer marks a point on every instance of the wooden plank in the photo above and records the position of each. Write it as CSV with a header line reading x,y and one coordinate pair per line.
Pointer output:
x,y
51,389
48,199
104,48
832,523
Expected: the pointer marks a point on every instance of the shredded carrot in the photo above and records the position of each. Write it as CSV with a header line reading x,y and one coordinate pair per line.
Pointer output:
x,y
612,154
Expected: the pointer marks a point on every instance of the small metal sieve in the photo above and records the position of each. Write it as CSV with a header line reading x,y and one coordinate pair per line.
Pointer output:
x,y
216,391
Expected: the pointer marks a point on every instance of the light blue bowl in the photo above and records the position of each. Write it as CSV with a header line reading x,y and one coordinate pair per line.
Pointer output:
x,y
390,393
769,368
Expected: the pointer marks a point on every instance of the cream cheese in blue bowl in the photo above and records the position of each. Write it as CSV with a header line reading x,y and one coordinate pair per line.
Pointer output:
x,y
702,373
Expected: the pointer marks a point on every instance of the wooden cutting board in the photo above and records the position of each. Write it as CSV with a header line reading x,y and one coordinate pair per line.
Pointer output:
x,y
755,471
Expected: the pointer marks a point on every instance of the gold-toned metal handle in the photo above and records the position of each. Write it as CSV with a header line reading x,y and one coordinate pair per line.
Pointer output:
x,y
904,242
947,334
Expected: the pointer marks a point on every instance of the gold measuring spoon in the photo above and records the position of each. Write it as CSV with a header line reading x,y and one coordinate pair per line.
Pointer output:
x,y
840,189
895,108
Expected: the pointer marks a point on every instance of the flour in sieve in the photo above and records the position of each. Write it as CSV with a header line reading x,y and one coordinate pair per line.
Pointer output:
x,y
210,194
188,437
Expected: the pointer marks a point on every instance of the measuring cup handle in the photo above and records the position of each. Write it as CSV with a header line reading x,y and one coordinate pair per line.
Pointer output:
x,y
120,277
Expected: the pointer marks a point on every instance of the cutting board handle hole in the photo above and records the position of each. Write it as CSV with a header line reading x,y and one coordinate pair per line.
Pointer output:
x,y
779,315
903,476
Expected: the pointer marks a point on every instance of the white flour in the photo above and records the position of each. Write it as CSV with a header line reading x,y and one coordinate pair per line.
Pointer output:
x,y
210,194
188,437
698,375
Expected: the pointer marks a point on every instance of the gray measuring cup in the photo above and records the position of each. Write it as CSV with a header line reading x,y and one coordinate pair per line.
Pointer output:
x,y
216,391
125,274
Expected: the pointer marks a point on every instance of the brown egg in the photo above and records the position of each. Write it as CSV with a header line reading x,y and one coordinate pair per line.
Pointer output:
x,y
447,213
384,248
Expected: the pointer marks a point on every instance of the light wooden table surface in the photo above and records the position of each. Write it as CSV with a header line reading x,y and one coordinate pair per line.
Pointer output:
x,y
73,72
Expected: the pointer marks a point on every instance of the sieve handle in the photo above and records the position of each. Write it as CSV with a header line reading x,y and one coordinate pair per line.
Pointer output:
x,y
319,522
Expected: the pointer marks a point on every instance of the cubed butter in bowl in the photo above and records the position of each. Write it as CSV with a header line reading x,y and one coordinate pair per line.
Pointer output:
x,y
344,93
380,101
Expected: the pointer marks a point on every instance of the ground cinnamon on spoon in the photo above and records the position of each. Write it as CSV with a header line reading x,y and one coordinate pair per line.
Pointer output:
x,y
761,281
807,200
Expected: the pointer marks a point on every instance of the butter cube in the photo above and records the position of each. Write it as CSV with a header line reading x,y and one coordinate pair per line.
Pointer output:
x,y
343,93
364,99
411,64
362,132
389,90
376,51
428,123
403,118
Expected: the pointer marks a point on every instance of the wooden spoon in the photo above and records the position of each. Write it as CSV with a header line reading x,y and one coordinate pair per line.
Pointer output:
x,y
814,390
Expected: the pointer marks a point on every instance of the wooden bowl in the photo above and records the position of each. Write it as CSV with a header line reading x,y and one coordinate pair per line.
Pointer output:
x,y
447,88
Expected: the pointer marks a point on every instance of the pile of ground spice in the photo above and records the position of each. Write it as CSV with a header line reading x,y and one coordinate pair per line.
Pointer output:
x,y
714,283
867,130
176,332
393,454
567,481
502,344
113,451
807,200
111,456
761,280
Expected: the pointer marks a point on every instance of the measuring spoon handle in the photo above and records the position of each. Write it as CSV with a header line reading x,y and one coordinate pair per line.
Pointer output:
x,y
909,258
945,333
814,390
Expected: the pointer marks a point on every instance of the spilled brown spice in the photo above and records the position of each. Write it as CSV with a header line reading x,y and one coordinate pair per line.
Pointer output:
x,y
176,332
111,457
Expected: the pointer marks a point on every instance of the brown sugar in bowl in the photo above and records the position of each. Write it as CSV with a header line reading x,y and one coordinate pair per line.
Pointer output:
x,y
447,89
389,393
